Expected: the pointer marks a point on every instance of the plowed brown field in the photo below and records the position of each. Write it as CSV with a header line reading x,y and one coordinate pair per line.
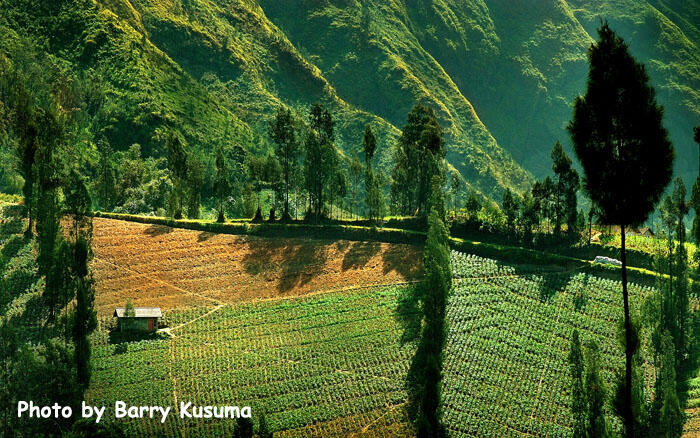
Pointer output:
x,y
170,268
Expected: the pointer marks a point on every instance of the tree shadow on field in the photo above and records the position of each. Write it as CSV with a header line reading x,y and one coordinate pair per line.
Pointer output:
x,y
33,330
359,253
122,338
293,262
157,230
10,249
406,260
17,283
204,236
409,315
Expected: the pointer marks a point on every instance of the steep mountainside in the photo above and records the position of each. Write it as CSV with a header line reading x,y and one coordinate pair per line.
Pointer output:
x,y
501,74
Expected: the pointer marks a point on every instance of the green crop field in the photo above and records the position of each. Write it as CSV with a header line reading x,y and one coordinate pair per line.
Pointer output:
x,y
509,334
337,363
322,366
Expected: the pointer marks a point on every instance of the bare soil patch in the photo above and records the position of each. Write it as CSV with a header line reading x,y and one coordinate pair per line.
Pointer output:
x,y
174,268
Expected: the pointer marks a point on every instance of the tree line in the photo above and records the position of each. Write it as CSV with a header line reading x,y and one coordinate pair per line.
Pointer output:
x,y
42,110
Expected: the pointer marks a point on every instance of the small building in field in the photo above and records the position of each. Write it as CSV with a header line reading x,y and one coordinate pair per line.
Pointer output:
x,y
145,319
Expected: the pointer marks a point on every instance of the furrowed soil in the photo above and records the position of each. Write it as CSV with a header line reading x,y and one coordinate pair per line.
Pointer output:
x,y
155,265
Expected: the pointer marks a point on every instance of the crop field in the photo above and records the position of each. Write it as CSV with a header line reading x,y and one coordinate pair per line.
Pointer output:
x,y
336,364
506,369
332,363
175,268
325,365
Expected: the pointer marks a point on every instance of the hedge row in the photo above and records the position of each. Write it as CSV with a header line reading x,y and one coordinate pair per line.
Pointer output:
x,y
307,231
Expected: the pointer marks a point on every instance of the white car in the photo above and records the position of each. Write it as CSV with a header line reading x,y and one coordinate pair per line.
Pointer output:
x,y
607,261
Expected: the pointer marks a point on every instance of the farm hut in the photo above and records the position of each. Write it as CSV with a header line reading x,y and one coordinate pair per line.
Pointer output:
x,y
646,232
145,319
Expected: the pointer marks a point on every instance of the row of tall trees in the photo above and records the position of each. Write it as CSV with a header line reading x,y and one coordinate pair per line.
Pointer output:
x,y
43,113
418,157
305,164
551,201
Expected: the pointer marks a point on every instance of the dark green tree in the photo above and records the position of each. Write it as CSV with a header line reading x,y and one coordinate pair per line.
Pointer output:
x,y
193,185
49,235
419,155
625,154
321,158
473,204
355,173
84,316
511,208
369,144
543,195
529,216
222,187
437,275
177,166
106,178
25,121
455,186
283,133
255,166
339,187
77,202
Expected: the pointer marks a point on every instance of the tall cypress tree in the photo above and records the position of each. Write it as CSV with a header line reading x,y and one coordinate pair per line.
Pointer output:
x,y
222,187
626,156
177,166
437,272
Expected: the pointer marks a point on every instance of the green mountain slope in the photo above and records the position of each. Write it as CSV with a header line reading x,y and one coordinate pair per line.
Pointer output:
x,y
502,74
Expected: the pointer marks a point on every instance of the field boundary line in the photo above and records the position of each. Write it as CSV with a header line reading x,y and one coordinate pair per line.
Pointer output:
x,y
389,410
156,279
327,291
218,306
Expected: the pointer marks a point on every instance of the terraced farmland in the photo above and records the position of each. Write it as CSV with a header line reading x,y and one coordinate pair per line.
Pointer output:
x,y
334,363
506,369
324,366
175,268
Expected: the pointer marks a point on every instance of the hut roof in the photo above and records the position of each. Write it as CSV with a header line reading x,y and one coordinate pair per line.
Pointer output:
x,y
140,312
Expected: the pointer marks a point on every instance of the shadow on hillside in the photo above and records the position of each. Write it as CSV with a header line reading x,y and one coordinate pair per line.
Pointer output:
x,y
407,261
295,262
359,253
157,230
33,330
122,339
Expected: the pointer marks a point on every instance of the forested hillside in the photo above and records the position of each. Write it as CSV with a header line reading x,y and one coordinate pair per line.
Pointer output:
x,y
501,75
